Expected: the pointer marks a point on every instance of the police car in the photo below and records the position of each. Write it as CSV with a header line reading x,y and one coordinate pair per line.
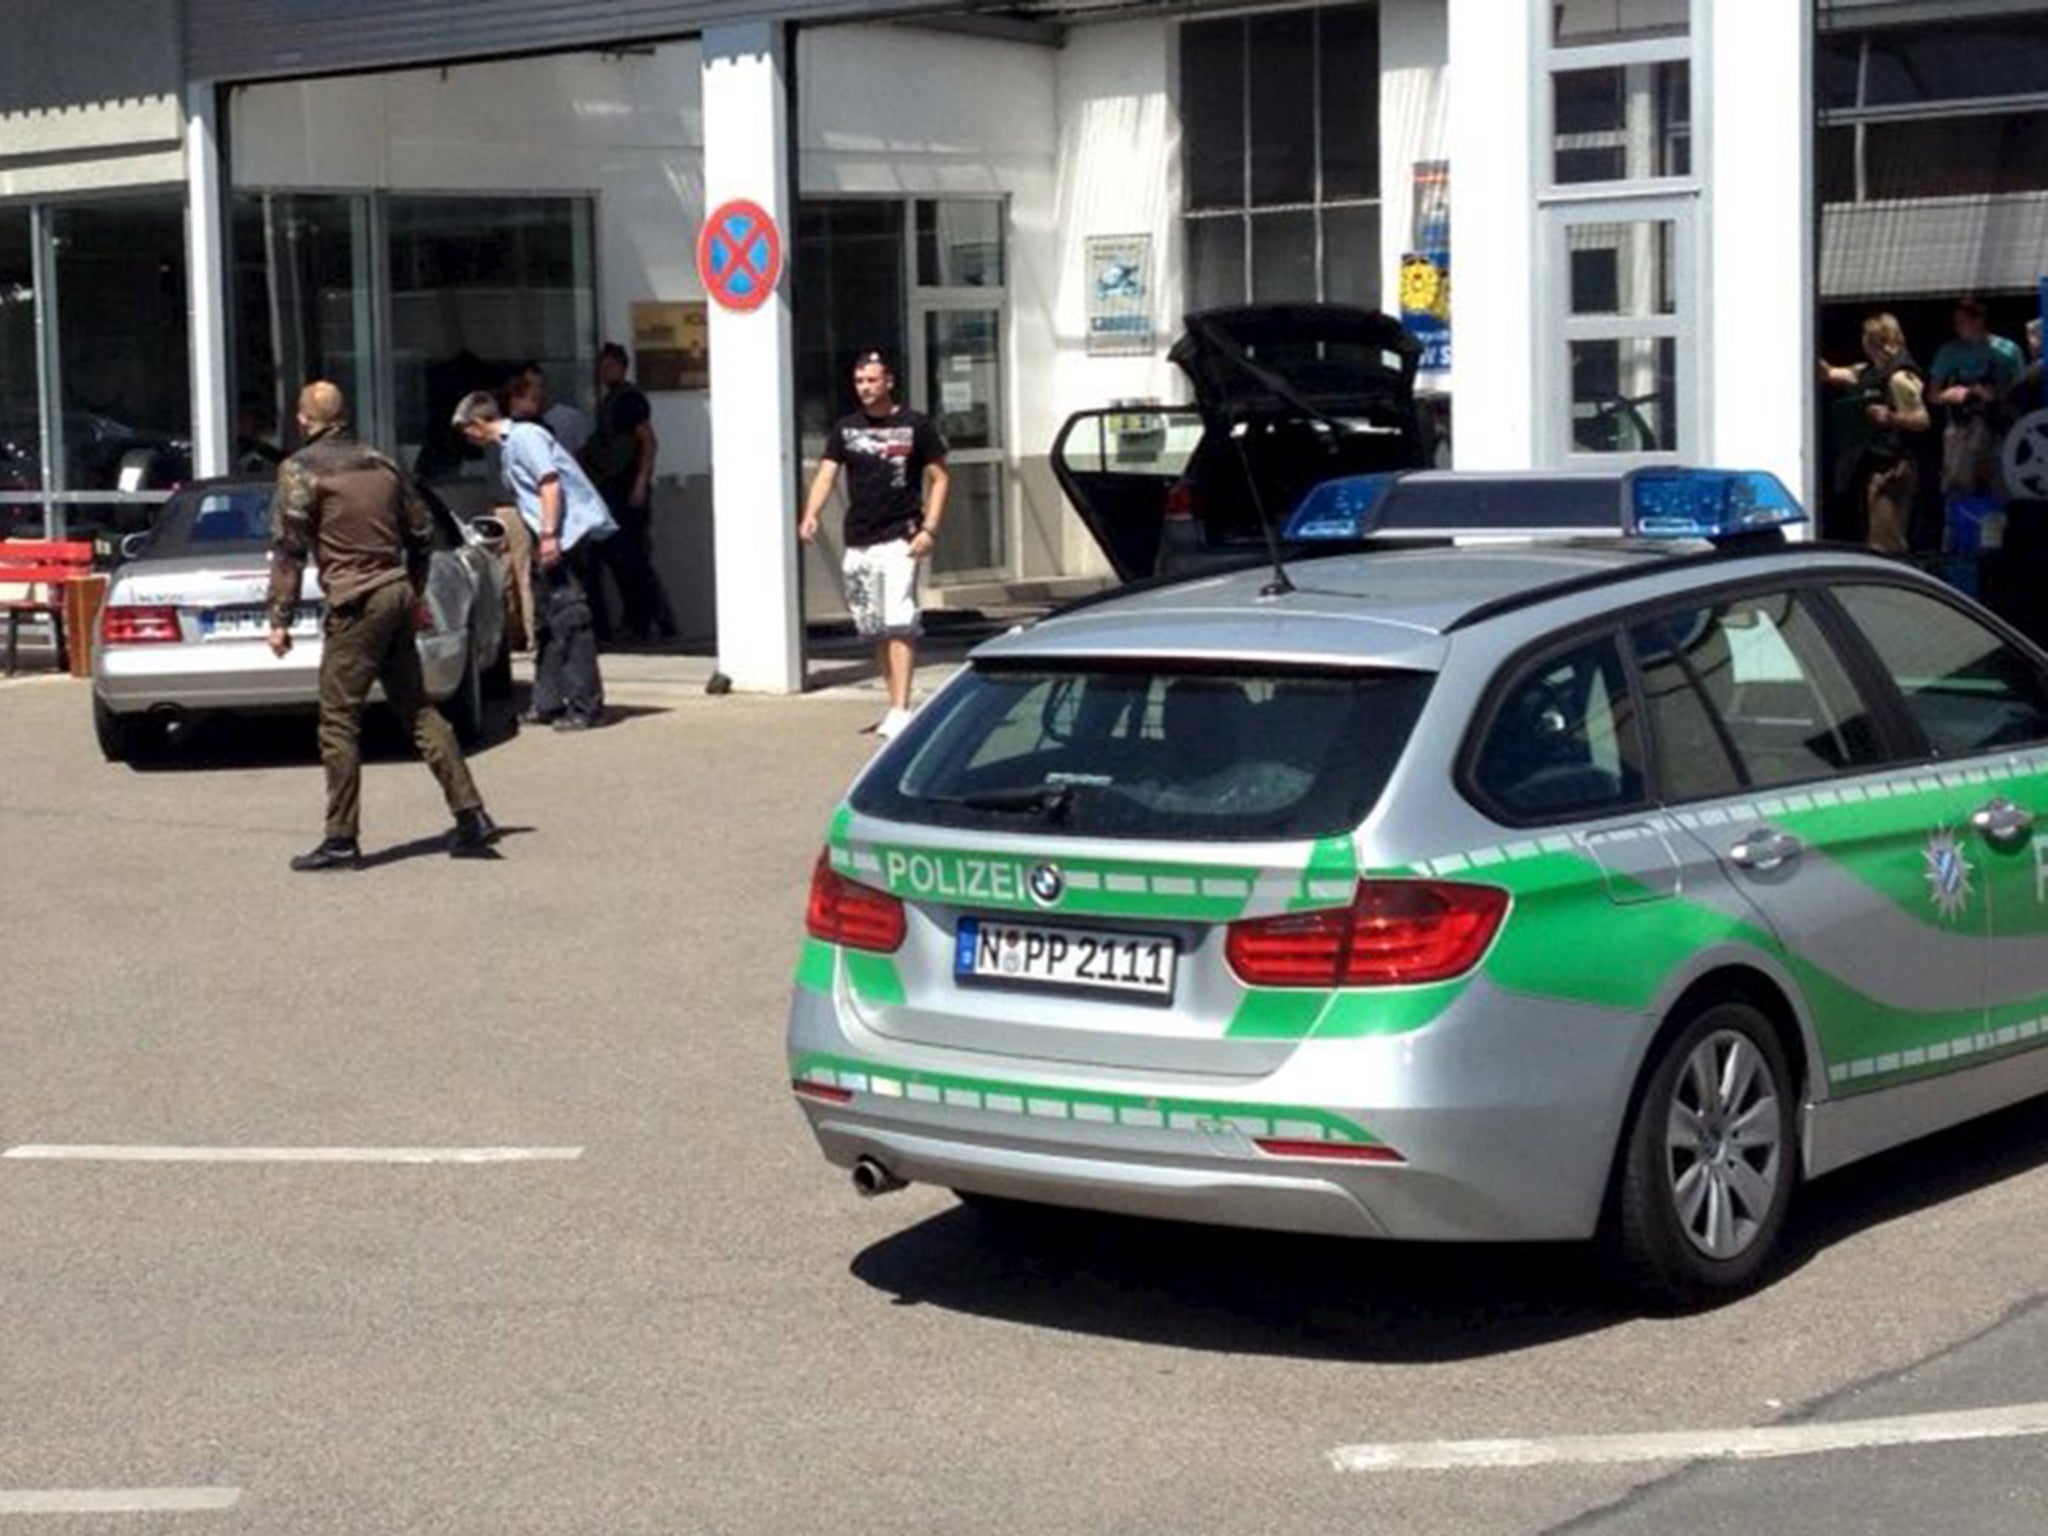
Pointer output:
x,y
1461,885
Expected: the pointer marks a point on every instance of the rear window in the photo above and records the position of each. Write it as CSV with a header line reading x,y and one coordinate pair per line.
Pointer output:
x,y
1150,753
214,522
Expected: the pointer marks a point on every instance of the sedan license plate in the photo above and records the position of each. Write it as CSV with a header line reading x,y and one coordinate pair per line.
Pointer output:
x,y
1138,966
253,622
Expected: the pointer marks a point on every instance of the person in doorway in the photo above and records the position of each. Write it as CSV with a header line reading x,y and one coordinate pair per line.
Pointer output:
x,y
894,461
568,423
1971,377
565,514
620,457
1889,384
2025,394
354,514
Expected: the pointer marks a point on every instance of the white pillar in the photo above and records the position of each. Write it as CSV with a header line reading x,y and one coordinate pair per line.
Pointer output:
x,y
206,279
1494,58
1759,263
753,395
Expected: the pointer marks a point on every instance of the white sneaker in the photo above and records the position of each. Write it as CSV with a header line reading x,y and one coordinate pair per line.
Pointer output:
x,y
892,722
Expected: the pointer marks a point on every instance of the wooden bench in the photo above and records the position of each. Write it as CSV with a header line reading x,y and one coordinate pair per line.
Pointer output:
x,y
45,563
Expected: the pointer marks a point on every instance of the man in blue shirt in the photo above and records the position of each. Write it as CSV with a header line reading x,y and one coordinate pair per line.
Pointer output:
x,y
557,501
1971,376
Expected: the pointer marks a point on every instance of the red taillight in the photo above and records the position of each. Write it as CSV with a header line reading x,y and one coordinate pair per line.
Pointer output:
x,y
854,915
139,626
825,1093
1180,501
1396,932
1329,1151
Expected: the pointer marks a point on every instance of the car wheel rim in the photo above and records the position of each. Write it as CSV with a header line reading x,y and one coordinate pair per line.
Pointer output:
x,y
1724,1144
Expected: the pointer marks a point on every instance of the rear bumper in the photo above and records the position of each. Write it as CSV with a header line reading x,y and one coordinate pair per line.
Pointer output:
x,y
239,675
1504,1112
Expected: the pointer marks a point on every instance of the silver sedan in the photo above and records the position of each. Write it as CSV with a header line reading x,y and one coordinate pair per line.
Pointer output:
x,y
185,628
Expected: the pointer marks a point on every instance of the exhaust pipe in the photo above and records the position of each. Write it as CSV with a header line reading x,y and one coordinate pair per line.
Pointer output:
x,y
870,1179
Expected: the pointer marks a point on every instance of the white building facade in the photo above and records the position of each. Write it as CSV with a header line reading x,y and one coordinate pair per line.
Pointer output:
x,y
1651,207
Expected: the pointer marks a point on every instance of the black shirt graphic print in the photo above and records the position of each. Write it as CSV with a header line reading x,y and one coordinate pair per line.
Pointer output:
x,y
883,459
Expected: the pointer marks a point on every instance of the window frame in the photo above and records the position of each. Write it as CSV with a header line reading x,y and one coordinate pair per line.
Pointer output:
x,y
1507,675
1686,200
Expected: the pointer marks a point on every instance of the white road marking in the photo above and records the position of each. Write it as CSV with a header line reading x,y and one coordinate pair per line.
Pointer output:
x,y
114,1501
1755,1444
55,1152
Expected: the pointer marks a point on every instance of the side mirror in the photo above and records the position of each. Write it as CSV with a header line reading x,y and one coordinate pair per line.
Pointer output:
x,y
488,531
132,544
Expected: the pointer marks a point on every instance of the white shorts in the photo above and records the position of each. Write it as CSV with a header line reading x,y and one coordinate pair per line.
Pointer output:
x,y
881,589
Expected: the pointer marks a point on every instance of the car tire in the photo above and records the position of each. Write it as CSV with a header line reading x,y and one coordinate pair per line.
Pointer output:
x,y
125,738
466,703
1707,1174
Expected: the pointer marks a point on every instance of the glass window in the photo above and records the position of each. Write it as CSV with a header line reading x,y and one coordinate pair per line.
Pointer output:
x,y
1281,64
1694,761
1628,122
21,451
973,538
122,339
1141,753
218,522
301,311
964,376
1628,268
1783,701
1562,741
1957,61
1280,138
1968,689
1985,153
1212,113
1580,22
480,285
960,243
1624,395
1348,63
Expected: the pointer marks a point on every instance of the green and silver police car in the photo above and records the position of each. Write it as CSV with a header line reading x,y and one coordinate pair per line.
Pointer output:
x,y
1463,884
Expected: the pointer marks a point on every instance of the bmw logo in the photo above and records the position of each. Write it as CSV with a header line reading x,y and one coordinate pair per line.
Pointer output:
x,y
1047,884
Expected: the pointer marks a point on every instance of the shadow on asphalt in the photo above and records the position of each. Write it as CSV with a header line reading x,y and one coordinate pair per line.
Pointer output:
x,y
1243,1292
217,742
436,847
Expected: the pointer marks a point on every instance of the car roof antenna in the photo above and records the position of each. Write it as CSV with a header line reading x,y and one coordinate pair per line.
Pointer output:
x,y
1280,585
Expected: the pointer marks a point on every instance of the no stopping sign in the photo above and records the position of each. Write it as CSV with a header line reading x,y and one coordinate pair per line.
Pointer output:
x,y
739,255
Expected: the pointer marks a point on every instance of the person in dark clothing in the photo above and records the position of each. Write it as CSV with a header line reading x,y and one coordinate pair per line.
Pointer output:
x,y
1895,404
355,515
619,456
566,516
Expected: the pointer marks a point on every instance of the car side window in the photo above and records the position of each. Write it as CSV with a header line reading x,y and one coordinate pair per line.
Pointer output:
x,y
1562,742
1778,705
1968,689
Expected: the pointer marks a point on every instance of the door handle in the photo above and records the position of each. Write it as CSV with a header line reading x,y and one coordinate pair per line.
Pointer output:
x,y
2001,820
1765,849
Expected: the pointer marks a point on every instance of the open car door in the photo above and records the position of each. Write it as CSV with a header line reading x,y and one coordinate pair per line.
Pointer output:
x,y
1117,467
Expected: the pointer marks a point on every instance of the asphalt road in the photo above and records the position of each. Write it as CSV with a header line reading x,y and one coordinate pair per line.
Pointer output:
x,y
694,1326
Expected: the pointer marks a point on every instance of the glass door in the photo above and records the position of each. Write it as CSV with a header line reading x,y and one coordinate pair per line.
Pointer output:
x,y
957,368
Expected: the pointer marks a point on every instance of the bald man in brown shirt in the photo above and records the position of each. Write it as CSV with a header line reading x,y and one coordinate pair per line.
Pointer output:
x,y
353,512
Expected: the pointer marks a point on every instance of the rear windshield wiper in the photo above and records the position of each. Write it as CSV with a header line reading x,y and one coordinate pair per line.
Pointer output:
x,y
1044,799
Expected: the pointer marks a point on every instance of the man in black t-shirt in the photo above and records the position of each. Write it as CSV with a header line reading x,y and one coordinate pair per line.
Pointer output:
x,y
894,461
619,458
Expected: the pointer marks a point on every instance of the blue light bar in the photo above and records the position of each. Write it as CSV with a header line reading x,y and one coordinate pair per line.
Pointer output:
x,y
1339,509
1706,503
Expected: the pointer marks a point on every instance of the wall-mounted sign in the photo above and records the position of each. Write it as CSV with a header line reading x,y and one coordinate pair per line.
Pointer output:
x,y
1119,295
672,344
1426,267
739,255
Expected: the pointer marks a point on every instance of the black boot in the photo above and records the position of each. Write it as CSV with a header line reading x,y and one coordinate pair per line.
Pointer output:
x,y
333,853
473,835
